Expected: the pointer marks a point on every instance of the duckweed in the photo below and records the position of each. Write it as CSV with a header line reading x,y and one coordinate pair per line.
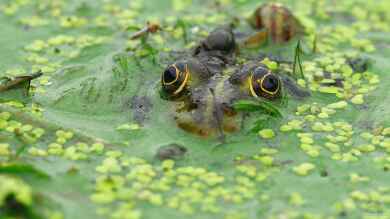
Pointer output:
x,y
37,152
386,132
21,191
4,150
296,199
267,133
356,178
128,127
304,169
358,99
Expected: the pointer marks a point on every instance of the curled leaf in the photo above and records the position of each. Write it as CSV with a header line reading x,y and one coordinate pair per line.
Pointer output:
x,y
253,106
22,168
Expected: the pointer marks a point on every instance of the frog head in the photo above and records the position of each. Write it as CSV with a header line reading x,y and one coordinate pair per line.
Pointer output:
x,y
204,101
204,87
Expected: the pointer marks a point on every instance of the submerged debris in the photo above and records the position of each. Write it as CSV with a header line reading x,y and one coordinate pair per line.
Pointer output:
x,y
358,64
172,151
19,81
141,107
149,28
276,21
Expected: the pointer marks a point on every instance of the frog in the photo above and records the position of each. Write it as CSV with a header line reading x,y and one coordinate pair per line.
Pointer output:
x,y
205,86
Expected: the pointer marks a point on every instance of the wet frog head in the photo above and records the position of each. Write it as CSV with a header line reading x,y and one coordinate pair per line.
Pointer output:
x,y
204,87
203,102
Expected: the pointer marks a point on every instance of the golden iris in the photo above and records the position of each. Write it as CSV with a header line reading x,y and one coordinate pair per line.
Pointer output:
x,y
174,79
263,83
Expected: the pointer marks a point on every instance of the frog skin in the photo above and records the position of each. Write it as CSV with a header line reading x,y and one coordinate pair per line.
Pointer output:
x,y
205,86
209,58
207,107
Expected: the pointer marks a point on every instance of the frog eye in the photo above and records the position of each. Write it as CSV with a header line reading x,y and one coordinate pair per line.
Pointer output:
x,y
170,75
175,78
263,83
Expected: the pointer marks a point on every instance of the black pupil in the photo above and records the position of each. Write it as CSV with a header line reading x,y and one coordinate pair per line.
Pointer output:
x,y
170,74
270,83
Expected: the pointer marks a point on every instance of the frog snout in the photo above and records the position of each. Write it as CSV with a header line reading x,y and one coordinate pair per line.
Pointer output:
x,y
208,116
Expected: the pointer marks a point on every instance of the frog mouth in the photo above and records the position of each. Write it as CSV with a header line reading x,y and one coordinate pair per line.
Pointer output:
x,y
207,128
208,117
